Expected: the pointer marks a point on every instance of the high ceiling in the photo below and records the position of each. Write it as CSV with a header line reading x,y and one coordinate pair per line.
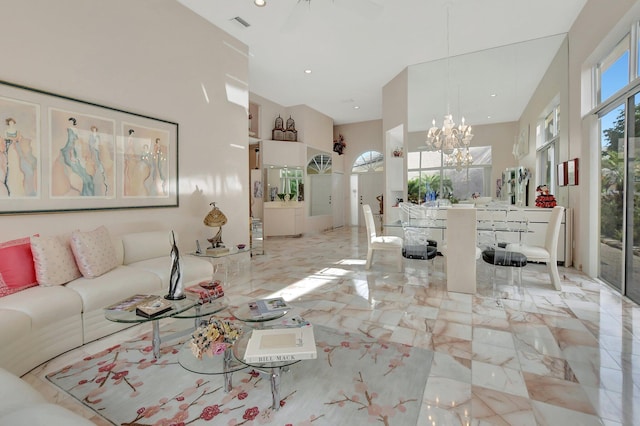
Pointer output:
x,y
355,47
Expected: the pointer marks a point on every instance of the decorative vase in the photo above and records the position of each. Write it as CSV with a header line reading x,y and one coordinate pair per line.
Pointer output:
x,y
176,287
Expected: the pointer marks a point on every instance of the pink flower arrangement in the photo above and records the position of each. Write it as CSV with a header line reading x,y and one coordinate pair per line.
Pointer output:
x,y
214,338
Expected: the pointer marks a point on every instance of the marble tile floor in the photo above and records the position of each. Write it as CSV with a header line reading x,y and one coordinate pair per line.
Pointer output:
x,y
504,356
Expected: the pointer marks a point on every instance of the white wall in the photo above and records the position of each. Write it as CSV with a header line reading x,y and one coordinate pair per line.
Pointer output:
x,y
360,138
151,57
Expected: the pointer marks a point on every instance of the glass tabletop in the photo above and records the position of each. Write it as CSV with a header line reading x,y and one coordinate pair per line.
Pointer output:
x,y
204,309
232,251
244,314
178,306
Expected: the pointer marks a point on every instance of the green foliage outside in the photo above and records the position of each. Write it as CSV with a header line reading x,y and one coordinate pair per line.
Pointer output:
x,y
417,188
612,191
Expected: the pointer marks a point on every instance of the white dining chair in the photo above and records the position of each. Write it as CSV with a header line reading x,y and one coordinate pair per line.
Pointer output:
x,y
549,252
383,242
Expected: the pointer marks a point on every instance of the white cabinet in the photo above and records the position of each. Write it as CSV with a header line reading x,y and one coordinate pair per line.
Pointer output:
x,y
283,219
538,218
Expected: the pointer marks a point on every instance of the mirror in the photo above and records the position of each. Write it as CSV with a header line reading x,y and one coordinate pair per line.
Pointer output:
x,y
283,184
486,87
320,182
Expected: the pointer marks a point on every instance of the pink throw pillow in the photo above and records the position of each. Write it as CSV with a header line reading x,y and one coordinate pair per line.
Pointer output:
x,y
16,266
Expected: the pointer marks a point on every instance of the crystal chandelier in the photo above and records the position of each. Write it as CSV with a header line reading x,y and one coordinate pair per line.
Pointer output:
x,y
451,140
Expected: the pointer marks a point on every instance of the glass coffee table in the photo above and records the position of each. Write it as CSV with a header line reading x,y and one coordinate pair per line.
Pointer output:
x,y
124,316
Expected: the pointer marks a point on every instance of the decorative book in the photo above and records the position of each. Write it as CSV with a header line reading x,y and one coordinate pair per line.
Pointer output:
x,y
131,303
266,307
154,308
281,345
206,291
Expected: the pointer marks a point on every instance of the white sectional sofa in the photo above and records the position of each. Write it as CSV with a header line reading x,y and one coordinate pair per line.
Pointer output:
x,y
41,322
20,404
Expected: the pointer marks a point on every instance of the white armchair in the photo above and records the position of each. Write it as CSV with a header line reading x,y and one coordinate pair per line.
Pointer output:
x,y
547,253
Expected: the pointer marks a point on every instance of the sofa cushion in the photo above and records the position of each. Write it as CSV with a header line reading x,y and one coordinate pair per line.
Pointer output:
x,y
44,305
93,252
16,266
53,260
14,325
115,285
146,245
15,394
193,268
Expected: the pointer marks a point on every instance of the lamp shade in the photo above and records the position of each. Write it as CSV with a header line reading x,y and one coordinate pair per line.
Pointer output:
x,y
215,218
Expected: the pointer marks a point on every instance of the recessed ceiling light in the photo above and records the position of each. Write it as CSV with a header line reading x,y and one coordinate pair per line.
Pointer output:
x,y
307,71
356,107
493,95
260,3
488,116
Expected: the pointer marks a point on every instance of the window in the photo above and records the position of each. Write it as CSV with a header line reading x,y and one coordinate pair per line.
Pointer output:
x,y
613,71
319,165
291,180
369,161
428,176
548,135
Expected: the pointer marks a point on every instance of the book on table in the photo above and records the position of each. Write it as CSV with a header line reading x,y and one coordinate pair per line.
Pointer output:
x,y
154,307
206,291
131,303
266,307
281,345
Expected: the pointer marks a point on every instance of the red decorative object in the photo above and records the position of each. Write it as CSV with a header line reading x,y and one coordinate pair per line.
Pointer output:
x,y
544,199
339,145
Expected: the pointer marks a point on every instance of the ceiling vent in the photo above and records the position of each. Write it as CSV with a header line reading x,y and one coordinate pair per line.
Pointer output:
x,y
241,22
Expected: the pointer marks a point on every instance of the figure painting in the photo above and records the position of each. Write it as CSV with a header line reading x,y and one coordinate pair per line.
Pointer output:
x,y
145,169
19,149
82,155
63,154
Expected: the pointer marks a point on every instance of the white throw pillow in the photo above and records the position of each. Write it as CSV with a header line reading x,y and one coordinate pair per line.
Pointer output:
x,y
53,260
94,252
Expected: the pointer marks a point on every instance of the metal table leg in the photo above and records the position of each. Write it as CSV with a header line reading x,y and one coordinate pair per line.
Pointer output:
x,y
228,375
155,342
275,388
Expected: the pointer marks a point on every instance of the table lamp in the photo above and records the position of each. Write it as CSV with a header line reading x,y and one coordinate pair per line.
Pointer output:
x,y
215,218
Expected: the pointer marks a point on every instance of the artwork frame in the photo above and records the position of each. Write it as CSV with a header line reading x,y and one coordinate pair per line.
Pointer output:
x,y
61,154
562,174
572,172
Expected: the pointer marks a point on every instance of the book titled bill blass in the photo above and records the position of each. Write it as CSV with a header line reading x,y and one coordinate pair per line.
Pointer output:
x,y
281,344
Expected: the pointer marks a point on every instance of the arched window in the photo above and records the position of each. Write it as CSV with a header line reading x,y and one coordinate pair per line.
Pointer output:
x,y
370,161
319,164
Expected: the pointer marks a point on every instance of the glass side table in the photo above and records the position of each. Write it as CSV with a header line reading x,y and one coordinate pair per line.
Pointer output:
x,y
224,259
178,306
271,369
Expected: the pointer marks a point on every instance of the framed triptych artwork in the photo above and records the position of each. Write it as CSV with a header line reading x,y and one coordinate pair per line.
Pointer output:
x,y
63,154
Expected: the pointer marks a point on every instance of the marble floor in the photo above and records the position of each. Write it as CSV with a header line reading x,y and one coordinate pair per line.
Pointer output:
x,y
504,356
